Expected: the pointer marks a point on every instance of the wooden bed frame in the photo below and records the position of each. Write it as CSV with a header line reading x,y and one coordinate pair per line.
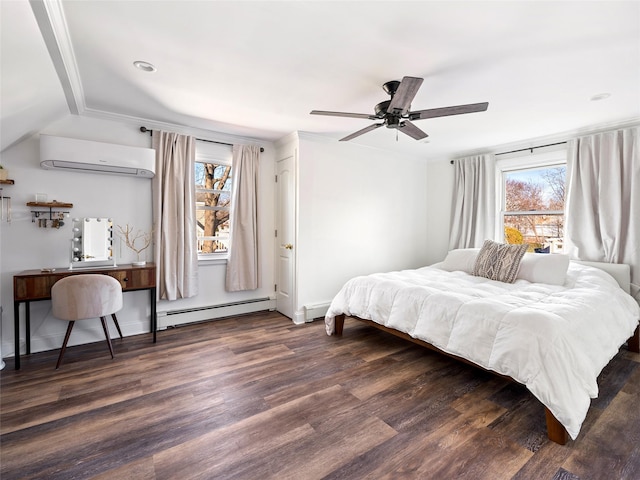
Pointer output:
x,y
555,430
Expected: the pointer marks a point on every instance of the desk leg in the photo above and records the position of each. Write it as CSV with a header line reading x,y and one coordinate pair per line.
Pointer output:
x,y
154,314
27,326
16,334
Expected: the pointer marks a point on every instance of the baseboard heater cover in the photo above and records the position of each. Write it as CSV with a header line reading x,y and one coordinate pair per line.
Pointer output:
x,y
318,310
172,318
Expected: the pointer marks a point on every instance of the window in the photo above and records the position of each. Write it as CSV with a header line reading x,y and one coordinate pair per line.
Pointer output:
x,y
213,184
532,201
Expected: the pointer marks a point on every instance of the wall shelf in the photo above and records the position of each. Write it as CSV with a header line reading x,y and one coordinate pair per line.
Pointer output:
x,y
7,182
56,217
50,204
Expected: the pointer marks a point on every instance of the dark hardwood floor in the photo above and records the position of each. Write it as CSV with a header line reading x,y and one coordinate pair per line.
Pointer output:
x,y
257,397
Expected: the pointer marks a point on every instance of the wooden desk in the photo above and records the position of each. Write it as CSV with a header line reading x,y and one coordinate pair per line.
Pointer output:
x,y
32,285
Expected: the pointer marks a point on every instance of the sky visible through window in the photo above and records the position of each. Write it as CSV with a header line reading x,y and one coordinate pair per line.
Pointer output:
x,y
535,176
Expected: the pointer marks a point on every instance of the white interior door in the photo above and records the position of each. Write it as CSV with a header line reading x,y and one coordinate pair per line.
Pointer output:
x,y
285,236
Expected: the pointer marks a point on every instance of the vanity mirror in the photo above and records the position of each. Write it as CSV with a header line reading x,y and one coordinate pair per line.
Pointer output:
x,y
92,243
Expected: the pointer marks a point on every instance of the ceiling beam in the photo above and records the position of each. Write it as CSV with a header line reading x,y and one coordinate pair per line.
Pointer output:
x,y
53,27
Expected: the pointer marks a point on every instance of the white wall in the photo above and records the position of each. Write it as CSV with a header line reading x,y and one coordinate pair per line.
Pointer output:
x,y
127,200
439,204
360,210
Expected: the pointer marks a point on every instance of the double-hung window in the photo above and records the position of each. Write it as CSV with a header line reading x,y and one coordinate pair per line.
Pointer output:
x,y
213,184
532,197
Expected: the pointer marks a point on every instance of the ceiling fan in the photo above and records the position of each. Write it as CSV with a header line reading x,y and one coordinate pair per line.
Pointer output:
x,y
395,113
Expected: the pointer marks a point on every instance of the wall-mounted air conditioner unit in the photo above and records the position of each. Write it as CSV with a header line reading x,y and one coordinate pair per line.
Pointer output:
x,y
61,153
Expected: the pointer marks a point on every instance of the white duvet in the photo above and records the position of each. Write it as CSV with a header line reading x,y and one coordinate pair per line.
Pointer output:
x,y
553,339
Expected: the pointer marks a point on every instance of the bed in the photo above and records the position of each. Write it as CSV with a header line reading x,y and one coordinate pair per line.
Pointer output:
x,y
553,329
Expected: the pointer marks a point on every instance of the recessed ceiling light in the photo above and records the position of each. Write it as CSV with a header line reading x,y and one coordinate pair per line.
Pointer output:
x,y
600,96
144,66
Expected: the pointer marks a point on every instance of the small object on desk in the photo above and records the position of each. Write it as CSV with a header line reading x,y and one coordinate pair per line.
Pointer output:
x,y
48,270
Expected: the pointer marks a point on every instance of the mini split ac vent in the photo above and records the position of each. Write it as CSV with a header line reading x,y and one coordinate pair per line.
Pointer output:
x,y
61,153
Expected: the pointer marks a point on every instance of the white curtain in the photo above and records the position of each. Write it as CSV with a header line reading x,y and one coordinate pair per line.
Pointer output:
x,y
603,200
473,214
176,252
242,266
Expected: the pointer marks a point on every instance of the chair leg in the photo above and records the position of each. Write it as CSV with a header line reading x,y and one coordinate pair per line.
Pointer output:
x,y
64,344
115,320
106,334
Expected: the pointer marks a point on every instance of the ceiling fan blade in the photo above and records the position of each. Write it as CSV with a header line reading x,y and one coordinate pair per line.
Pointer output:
x,y
446,111
344,114
401,101
361,132
411,130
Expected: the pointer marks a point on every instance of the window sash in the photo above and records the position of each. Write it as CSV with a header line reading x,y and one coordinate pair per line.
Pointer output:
x,y
210,208
521,163
511,213
222,237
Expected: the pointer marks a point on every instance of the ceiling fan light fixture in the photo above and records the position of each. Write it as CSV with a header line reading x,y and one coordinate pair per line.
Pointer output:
x,y
145,66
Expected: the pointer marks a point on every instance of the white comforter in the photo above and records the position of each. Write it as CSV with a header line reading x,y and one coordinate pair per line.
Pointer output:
x,y
553,339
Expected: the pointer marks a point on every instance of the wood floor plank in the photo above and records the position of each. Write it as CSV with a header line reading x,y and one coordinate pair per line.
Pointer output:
x,y
470,461
102,434
425,451
142,469
258,436
600,451
545,463
257,397
56,409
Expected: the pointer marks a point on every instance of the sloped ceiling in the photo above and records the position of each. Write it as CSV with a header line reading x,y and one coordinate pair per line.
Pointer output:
x,y
257,69
31,96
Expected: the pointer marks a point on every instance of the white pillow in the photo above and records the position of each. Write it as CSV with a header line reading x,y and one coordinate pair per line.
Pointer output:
x,y
544,268
463,259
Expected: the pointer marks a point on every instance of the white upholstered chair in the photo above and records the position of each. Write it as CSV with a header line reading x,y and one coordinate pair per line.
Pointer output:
x,y
86,296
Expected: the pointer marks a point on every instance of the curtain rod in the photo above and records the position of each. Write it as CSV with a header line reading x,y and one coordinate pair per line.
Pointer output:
x,y
145,130
531,149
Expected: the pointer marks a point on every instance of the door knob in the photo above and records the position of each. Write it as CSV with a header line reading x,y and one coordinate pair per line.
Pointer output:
x,y
288,246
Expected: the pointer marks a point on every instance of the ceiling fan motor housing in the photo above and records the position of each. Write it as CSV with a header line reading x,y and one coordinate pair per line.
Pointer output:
x,y
381,108
391,87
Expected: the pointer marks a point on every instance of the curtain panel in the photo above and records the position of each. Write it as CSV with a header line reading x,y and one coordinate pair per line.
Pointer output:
x,y
173,189
603,200
243,271
473,214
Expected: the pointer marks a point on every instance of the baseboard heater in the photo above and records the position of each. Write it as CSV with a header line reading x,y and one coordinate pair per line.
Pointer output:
x,y
318,310
172,318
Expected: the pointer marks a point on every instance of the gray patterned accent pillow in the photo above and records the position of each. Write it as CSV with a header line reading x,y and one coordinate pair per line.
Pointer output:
x,y
498,261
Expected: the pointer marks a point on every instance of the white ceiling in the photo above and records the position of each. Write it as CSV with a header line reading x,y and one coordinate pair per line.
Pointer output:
x,y
256,69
